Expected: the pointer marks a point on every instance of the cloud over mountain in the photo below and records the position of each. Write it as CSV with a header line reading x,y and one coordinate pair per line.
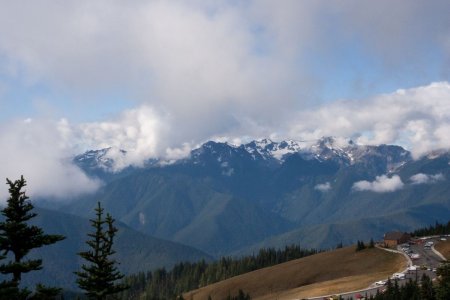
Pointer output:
x,y
421,178
418,118
381,184
323,187
39,151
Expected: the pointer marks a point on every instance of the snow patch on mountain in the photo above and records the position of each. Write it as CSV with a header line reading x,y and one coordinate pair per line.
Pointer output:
x,y
108,159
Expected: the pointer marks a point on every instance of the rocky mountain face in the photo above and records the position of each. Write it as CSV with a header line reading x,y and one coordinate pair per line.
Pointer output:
x,y
224,198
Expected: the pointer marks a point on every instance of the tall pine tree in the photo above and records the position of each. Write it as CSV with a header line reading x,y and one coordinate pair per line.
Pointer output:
x,y
17,239
99,277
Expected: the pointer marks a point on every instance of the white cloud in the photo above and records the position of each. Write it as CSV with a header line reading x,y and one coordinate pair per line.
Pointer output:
x,y
421,178
38,150
418,118
217,61
381,184
138,131
323,187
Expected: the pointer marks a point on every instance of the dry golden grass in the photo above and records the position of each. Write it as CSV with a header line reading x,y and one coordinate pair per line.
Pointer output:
x,y
324,273
444,249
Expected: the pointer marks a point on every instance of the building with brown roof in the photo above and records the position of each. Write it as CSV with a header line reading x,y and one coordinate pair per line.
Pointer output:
x,y
394,238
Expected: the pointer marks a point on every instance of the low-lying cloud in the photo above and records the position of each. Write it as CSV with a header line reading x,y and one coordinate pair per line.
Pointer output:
x,y
421,178
381,184
39,151
323,187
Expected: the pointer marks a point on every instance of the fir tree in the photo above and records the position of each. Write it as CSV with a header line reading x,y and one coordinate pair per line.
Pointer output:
x,y
426,288
443,291
99,278
17,239
360,245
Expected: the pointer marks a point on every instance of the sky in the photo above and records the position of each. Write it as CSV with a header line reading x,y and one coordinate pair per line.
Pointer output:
x,y
157,78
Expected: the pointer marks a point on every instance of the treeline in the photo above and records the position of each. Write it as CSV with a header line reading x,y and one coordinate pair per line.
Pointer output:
x,y
436,229
183,277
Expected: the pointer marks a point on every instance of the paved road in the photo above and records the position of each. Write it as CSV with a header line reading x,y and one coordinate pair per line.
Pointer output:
x,y
427,259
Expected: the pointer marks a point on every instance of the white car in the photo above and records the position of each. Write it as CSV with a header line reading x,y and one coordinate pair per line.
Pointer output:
x,y
398,276
413,268
381,282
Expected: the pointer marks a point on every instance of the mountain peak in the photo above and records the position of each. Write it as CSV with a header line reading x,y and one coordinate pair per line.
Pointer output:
x,y
103,159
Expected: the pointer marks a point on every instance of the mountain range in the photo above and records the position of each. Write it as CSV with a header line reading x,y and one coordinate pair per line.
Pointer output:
x,y
225,199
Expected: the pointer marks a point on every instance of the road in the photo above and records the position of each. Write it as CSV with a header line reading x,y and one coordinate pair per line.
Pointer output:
x,y
428,259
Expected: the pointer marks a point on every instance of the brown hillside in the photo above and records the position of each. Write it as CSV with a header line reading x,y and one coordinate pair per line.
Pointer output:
x,y
444,248
324,273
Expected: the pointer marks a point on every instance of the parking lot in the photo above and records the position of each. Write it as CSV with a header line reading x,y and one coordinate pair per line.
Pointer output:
x,y
423,258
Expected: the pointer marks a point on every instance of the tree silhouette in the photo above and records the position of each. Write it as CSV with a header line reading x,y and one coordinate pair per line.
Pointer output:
x,y
99,277
17,239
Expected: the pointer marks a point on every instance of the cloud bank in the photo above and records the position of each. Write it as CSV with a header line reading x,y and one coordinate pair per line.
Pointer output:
x,y
421,178
381,184
38,151
417,118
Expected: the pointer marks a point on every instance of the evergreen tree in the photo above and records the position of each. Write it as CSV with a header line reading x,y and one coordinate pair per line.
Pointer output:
x,y
17,239
426,288
443,291
360,246
371,243
99,278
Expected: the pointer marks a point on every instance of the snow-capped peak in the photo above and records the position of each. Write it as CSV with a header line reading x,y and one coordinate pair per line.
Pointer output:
x,y
100,159
323,148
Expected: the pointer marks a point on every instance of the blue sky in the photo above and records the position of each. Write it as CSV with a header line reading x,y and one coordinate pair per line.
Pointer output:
x,y
159,77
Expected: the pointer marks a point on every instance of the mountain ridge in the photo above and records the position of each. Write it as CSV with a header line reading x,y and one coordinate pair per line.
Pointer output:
x,y
241,195
325,148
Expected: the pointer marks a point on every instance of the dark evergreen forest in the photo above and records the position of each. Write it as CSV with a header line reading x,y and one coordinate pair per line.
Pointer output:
x,y
436,229
183,277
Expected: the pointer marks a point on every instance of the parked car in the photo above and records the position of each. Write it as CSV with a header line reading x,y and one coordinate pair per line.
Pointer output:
x,y
413,268
398,276
415,256
381,282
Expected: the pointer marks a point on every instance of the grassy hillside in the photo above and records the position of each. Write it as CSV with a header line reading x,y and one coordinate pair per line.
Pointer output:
x,y
324,273
444,249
